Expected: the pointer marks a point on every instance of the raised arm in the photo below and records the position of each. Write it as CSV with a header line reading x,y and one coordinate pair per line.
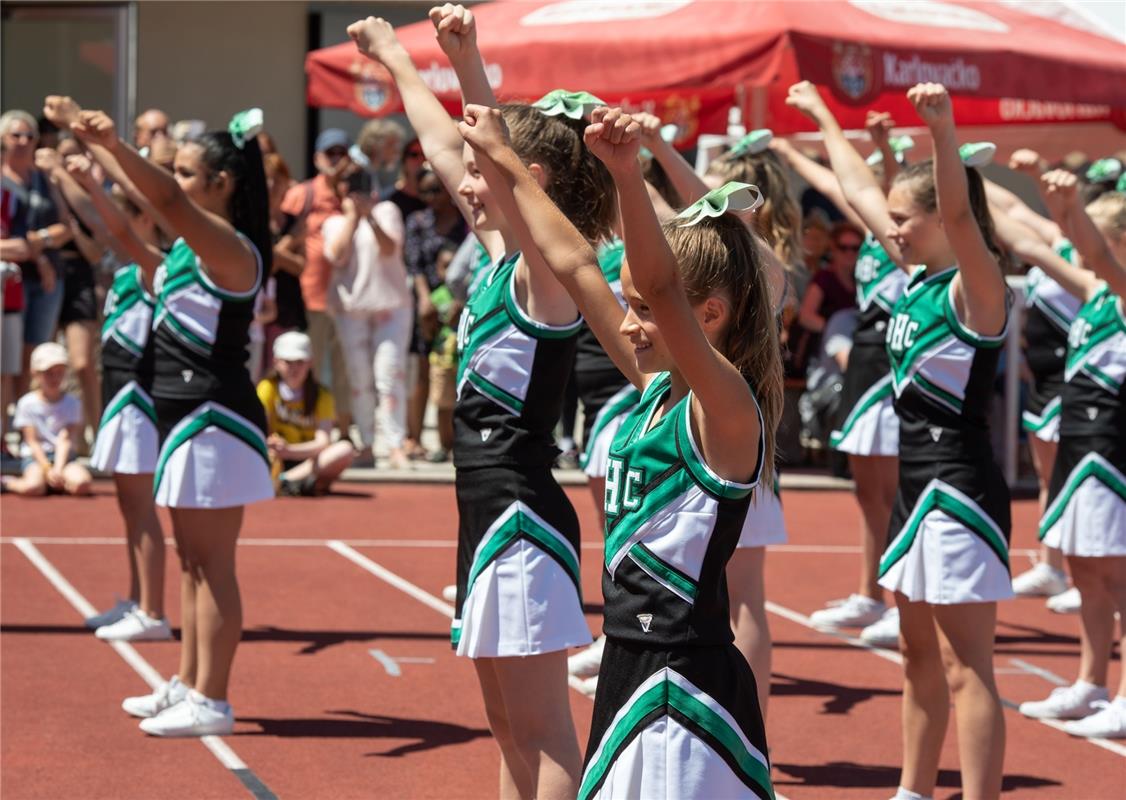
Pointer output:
x,y
1087,238
879,125
229,261
75,195
542,228
820,178
688,184
1027,245
456,31
437,133
859,185
979,284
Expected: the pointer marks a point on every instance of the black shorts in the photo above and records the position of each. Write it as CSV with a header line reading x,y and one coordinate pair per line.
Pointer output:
x,y
80,302
595,388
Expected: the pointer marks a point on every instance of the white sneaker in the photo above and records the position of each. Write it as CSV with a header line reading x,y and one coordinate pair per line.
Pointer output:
x,y
136,626
449,593
166,695
857,611
586,662
119,610
1108,721
1065,602
1043,580
885,632
589,686
195,715
1066,702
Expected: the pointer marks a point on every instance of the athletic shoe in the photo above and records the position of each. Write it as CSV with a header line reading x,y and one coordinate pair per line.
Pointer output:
x,y
586,662
1066,702
166,695
119,610
857,611
1065,602
885,632
589,686
1043,580
195,715
449,593
568,459
1108,721
136,626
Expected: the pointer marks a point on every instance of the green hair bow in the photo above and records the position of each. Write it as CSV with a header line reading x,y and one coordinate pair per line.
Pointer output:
x,y
245,125
977,154
732,196
898,144
753,143
573,105
1104,170
1121,185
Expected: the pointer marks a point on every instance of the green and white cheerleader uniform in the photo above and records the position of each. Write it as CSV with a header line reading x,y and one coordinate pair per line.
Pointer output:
x,y
606,395
518,582
868,425
213,442
1050,310
950,525
128,441
676,711
1086,513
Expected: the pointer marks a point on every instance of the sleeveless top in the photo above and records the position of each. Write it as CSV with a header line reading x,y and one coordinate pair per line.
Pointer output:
x,y
590,356
512,372
128,320
1050,310
672,524
200,331
1093,402
879,284
942,373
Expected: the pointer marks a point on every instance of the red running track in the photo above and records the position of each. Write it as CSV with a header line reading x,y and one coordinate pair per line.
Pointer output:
x,y
320,716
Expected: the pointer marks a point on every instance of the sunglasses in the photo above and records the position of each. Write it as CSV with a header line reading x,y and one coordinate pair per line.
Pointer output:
x,y
23,137
413,153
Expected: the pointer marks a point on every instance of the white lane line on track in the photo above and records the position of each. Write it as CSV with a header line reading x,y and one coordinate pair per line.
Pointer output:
x,y
896,658
225,755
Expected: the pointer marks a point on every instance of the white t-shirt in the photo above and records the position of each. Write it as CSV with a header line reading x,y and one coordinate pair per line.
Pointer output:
x,y
48,419
370,282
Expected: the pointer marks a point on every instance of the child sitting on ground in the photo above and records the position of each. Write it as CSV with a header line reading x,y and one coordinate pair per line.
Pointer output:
x,y
49,421
299,415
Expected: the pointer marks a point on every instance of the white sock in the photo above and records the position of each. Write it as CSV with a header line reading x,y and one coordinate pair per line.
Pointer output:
x,y
566,443
1087,684
907,794
217,705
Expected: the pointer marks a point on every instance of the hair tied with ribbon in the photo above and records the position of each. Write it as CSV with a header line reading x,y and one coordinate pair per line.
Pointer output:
x,y
1121,185
732,196
573,105
753,143
977,154
245,125
1105,170
899,146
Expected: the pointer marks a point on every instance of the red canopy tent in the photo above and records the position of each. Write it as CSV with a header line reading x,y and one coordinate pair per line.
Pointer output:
x,y
689,61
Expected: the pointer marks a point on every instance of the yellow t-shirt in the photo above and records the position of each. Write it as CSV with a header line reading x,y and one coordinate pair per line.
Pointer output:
x,y
287,418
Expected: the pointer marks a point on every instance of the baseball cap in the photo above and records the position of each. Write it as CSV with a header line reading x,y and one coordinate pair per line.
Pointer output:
x,y
47,355
293,346
332,137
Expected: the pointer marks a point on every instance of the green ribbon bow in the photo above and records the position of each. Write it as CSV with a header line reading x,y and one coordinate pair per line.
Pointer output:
x,y
977,154
245,125
732,196
1121,185
898,144
573,105
753,143
1104,170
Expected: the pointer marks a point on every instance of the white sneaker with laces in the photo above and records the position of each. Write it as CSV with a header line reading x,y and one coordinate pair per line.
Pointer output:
x,y
1108,721
449,593
136,626
857,611
1066,702
1065,602
119,610
1043,580
885,632
586,663
195,715
166,695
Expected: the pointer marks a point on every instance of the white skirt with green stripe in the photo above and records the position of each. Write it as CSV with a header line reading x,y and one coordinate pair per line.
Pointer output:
x,y
950,535
1086,513
871,427
605,428
128,441
212,458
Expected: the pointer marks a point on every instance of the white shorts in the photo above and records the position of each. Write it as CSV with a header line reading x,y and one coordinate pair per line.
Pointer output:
x,y
128,441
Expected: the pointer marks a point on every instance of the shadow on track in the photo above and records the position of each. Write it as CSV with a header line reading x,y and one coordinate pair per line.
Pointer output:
x,y
840,699
853,775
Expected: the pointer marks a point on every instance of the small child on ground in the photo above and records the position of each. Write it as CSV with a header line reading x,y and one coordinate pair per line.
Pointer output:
x,y
50,421
300,415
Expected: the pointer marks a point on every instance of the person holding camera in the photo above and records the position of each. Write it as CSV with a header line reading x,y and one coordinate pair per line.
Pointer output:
x,y
371,302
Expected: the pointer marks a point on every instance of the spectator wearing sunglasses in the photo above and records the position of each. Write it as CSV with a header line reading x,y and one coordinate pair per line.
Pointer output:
x,y
830,290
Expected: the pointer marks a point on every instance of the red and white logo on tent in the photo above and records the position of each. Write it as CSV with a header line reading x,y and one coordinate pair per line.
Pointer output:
x,y
373,92
852,69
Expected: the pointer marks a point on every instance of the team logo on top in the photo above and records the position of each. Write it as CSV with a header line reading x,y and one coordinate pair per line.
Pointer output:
x,y
852,69
646,620
372,90
936,433
486,433
187,375
1092,412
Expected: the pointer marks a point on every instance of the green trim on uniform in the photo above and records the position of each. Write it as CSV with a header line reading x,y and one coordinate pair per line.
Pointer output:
x,y
663,571
938,498
455,632
135,348
1034,423
937,393
537,330
517,525
130,395
194,424
479,332
666,488
181,332
696,715
1057,317
876,394
626,398
1091,466
490,389
701,473
970,337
